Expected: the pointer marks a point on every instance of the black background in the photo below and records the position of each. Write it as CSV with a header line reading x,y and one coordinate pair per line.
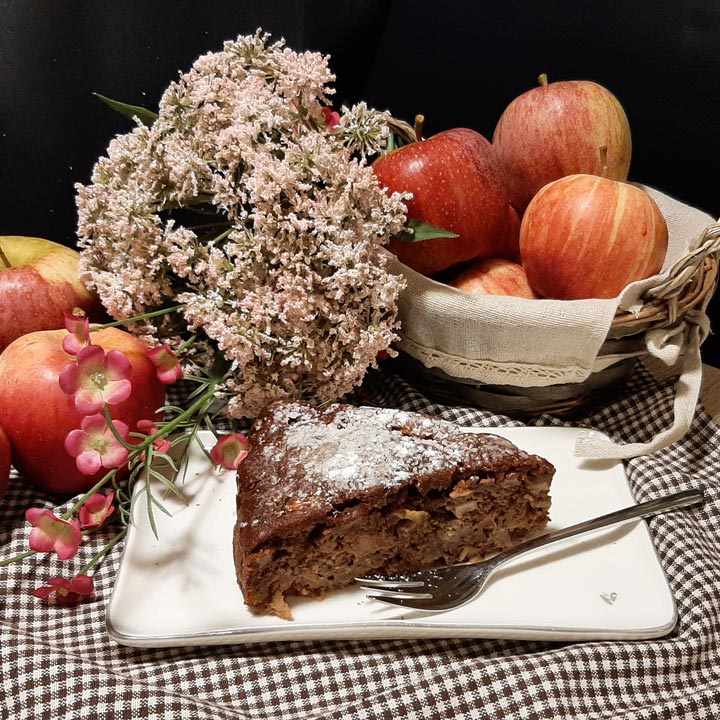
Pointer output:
x,y
459,63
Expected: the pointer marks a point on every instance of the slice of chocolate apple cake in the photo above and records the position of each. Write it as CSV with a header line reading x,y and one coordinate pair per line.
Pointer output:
x,y
329,494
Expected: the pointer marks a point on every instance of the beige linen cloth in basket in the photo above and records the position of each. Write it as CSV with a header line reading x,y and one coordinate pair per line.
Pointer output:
x,y
536,343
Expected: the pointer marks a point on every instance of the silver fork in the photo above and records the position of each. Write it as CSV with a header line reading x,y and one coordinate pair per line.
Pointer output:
x,y
451,586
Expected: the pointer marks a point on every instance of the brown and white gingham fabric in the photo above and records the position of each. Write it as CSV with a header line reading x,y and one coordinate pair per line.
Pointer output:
x,y
60,663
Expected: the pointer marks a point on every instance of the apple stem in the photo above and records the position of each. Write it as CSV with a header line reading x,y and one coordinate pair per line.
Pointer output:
x,y
603,161
419,125
4,260
542,79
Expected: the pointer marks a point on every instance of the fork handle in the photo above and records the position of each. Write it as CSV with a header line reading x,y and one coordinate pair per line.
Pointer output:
x,y
644,509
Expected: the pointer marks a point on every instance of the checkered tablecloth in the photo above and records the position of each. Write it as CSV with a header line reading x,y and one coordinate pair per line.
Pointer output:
x,y
60,662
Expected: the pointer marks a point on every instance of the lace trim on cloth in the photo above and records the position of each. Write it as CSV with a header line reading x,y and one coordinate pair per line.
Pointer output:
x,y
678,346
494,372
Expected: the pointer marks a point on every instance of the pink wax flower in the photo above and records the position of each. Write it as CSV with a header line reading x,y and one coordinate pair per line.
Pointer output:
x,y
96,510
97,378
53,533
166,364
230,451
148,427
78,327
67,592
94,445
332,117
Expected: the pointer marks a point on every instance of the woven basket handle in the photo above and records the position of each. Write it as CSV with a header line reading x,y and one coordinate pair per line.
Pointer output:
x,y
688,271
686,294
677,343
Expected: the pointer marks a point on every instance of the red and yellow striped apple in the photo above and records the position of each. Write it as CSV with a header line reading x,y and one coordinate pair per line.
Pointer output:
x,y
586,236
39,282
458,185
557,129
37,415
494,276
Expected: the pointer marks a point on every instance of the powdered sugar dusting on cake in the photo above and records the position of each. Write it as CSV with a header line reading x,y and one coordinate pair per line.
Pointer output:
x,y
359,451
330,455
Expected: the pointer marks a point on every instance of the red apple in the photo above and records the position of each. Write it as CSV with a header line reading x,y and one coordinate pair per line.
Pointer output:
x,y
457,185
39,281
38,415
558,129
585,236
4,461
494,276
510,247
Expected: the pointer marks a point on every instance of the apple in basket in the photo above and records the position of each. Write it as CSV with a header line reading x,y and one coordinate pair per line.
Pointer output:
x,y
457,184
38,415
586,236
4,461
554,130
511,248
494,276
38,283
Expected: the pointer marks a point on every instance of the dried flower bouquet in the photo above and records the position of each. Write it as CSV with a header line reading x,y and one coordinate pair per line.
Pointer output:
x,y
250,203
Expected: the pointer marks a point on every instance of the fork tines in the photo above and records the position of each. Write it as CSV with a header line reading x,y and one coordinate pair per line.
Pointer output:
x,y
388,582
395,588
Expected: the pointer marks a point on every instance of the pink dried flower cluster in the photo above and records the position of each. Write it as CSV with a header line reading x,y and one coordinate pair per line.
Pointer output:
x,y
252,203
64,536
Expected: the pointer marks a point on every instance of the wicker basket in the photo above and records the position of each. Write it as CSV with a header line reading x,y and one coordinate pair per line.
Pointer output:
x,y
687,287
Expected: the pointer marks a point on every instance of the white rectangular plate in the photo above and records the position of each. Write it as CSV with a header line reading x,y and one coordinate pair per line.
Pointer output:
x,y
180,589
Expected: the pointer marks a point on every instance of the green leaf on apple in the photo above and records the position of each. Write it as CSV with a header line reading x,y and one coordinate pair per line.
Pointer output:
x,y
146,117
417,231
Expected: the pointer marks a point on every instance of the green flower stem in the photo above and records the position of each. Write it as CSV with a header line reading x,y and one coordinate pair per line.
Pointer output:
x,y
108,547
128,446
200,406
186,344
199,200
223,235
95,488
17,558
205,226
136,318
